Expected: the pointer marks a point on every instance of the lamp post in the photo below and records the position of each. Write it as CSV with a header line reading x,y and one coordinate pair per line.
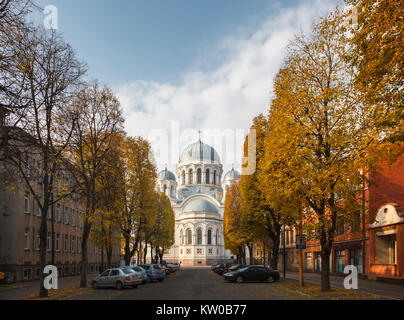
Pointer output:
x,y
284,251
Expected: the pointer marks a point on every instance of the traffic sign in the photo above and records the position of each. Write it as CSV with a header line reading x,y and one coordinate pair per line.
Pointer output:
x,y
300,241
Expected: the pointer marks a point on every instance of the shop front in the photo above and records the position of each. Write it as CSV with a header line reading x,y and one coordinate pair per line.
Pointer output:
x,y
386,244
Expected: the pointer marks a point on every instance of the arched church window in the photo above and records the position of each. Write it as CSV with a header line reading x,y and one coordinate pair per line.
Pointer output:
x,y
209,236
189,236
217,236
207,176
199,236
199,176
165,189
181,237
190,178
172,191
214,177
183,177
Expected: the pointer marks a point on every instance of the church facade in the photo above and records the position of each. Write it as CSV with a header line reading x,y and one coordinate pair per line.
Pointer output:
x,y
197,192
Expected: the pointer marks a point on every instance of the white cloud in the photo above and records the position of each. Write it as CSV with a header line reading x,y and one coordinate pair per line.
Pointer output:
x,y
226,97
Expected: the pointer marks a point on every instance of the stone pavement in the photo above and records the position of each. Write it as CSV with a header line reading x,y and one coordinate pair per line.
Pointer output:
x,y
382,289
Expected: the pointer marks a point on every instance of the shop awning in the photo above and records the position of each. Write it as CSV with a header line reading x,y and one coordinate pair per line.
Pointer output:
x,y
356,244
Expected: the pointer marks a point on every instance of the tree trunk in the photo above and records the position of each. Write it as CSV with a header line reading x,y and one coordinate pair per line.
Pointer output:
x,y
251,253
43,293
145,253
325,269
84,256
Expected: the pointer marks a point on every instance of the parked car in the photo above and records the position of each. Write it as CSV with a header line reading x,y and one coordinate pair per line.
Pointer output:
x,y
165,268
171,267
118,278
178,265
221,267
252,273
234,268
140,270
154,272
213,266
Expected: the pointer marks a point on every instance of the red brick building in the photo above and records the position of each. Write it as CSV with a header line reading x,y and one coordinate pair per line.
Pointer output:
x,y
373,242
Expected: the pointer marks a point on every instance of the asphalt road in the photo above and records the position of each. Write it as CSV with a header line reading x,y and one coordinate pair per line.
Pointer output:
x,y
193,284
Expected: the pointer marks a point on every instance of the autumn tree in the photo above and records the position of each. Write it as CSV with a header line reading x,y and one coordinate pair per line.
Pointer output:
x,y
329,134
140,199
99,120
52,72
162,236
234,237
377,54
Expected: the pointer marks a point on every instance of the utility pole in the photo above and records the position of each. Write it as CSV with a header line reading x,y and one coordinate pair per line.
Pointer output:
x,y
301,280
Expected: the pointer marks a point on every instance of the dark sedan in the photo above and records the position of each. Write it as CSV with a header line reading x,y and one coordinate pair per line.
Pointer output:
x,y
252,273
221,267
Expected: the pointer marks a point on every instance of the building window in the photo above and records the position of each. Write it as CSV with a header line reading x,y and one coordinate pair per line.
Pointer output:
x,y
73,249
26,204
58,212
38,241
26,239
27,274
214,178
189,236
209,236
340,261
188,251
217,236
207,176
199,251
210,251
66,215
49,241
165,189
58,242
66,244
308,261
172,192
199,176
386,249
356,222
190,177
183,177
199,236
39,214
340,226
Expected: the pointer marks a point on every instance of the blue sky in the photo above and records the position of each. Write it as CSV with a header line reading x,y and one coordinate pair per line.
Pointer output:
x,y
179,66
154,40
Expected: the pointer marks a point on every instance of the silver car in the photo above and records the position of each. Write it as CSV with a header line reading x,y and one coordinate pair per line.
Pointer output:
x,y
118,278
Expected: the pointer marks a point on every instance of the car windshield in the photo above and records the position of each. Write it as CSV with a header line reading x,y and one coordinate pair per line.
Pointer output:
x,y
146,267
244,269
235,267
156,267
138,269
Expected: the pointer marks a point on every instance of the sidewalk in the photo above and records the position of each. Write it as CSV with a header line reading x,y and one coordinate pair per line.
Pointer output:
x,y
382,289
23,289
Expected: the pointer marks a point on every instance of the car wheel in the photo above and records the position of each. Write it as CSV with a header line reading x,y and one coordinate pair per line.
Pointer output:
x,y
240,279
95,285
119,285
270,279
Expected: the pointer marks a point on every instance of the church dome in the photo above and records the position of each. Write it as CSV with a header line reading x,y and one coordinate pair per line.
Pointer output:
x,y
199,152
231,175
166,175
200,205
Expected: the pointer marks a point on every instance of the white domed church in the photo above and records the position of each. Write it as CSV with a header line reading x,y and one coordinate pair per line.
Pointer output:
x,y
197,194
